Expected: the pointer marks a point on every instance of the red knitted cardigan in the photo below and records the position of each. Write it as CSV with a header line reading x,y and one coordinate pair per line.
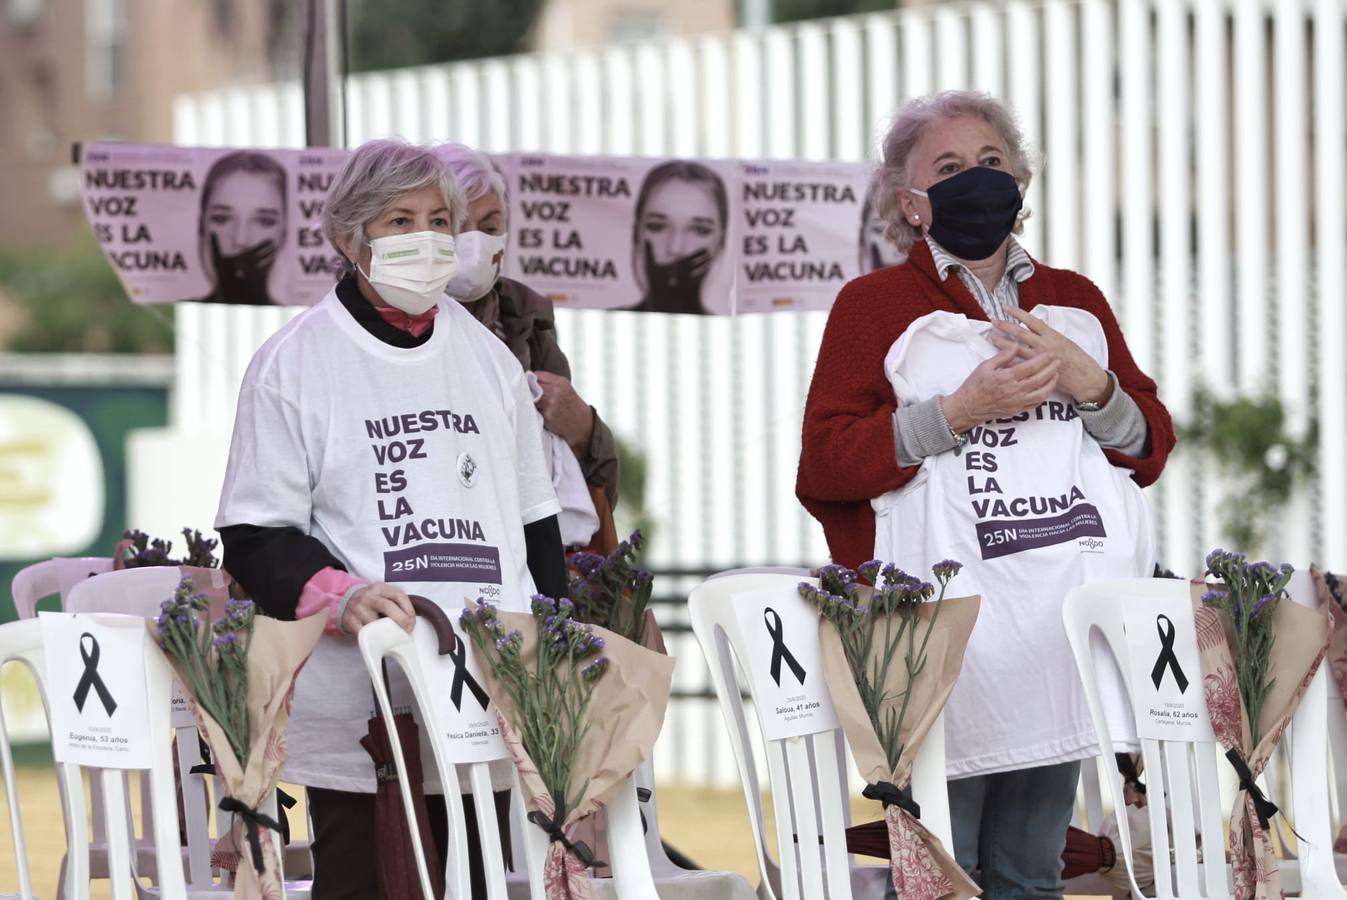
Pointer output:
x,y
847,452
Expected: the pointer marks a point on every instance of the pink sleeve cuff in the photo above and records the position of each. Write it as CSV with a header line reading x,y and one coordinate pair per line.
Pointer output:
x,y
325,591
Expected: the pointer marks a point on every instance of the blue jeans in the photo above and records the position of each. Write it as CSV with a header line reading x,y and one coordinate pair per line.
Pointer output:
x,y
1010,829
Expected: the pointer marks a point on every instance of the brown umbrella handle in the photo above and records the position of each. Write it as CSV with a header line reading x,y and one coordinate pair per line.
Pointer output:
x,y
438,619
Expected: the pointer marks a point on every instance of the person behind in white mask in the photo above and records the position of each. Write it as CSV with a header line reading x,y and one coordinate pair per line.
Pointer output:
x,y
523,319
385,445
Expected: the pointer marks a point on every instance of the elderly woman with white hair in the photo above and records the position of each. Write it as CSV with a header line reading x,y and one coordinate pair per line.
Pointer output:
x,y
523,319
385,444
974,403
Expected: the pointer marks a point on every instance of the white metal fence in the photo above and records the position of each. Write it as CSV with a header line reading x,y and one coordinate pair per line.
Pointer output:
x,y
1192,149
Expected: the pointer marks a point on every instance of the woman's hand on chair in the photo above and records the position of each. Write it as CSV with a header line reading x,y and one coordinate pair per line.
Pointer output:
x,y
375,601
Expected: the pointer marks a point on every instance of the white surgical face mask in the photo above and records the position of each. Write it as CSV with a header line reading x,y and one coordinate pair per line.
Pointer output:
x,y
410,270
479,261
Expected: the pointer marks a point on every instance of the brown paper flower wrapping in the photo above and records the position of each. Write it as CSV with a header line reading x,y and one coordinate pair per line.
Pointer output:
x,y
921,868
1300,643
1337,643
625,716
593,828
277,652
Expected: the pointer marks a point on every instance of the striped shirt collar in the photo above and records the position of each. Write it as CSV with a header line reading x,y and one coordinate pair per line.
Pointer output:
x,y
1018,264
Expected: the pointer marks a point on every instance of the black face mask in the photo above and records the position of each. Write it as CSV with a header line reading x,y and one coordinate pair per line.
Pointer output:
x,y
973,212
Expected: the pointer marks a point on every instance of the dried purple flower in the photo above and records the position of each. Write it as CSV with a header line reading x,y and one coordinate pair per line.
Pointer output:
x,y
945,570
594,671
870,569
1264,602
1215,598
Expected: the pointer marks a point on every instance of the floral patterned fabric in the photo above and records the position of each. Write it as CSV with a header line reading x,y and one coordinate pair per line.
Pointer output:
x,y
276,654
1300,644
1331,590
564,876
920,867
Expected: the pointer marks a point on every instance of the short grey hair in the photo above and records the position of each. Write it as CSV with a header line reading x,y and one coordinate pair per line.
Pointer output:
x,y
474,170
894,174
377,173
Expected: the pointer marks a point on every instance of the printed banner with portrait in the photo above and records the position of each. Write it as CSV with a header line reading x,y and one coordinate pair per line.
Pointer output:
x,y
706,237
804,234
213,225
649,235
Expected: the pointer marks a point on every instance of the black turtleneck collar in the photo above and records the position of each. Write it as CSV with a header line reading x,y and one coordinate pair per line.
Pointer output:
x,y
348,292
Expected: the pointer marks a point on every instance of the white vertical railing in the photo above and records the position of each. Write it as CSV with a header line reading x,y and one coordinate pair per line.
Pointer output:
x,y
1136,209
1215,312
1181,206
1251,211
1175,320
1061,209
1099,122
1295,305
1330,227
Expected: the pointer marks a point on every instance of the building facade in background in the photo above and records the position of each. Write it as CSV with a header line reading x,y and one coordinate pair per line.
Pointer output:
x,y
81,70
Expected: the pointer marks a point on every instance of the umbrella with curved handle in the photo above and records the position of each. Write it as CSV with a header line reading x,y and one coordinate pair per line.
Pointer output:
x,y
397,871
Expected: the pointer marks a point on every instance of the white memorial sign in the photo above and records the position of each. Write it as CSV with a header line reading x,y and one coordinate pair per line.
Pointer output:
x,y
462,707
1166,672
784,666
96,689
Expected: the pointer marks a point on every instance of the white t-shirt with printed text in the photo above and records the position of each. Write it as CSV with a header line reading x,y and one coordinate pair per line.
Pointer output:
x,y
1032,508
415,466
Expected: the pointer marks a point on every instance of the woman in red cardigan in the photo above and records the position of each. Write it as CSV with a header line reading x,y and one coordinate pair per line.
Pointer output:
x,y
980,405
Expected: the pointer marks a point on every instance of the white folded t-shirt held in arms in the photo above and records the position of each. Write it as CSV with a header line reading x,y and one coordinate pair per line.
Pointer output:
x,y
1032,508
578,518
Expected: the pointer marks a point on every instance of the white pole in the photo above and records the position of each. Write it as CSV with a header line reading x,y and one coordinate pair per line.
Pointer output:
x,y
1330,133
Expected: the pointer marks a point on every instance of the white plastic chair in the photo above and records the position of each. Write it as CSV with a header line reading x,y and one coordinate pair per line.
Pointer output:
x,y
1183,778
631,880
139,592
808,774
53,577
22,642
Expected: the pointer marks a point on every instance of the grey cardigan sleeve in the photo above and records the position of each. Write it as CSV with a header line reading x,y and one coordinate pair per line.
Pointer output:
x,y
1119,424
920,429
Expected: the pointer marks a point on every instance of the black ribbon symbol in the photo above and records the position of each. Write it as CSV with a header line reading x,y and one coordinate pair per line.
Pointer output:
x,y
1167,659
779,650
91,678
1265,808
252,819
579,849
888,793
458,655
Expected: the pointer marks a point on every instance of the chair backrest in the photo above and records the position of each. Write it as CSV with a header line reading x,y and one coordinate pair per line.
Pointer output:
x,y
22,642
628,858
1311,746
53,577
807,774
139,592
1182,777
